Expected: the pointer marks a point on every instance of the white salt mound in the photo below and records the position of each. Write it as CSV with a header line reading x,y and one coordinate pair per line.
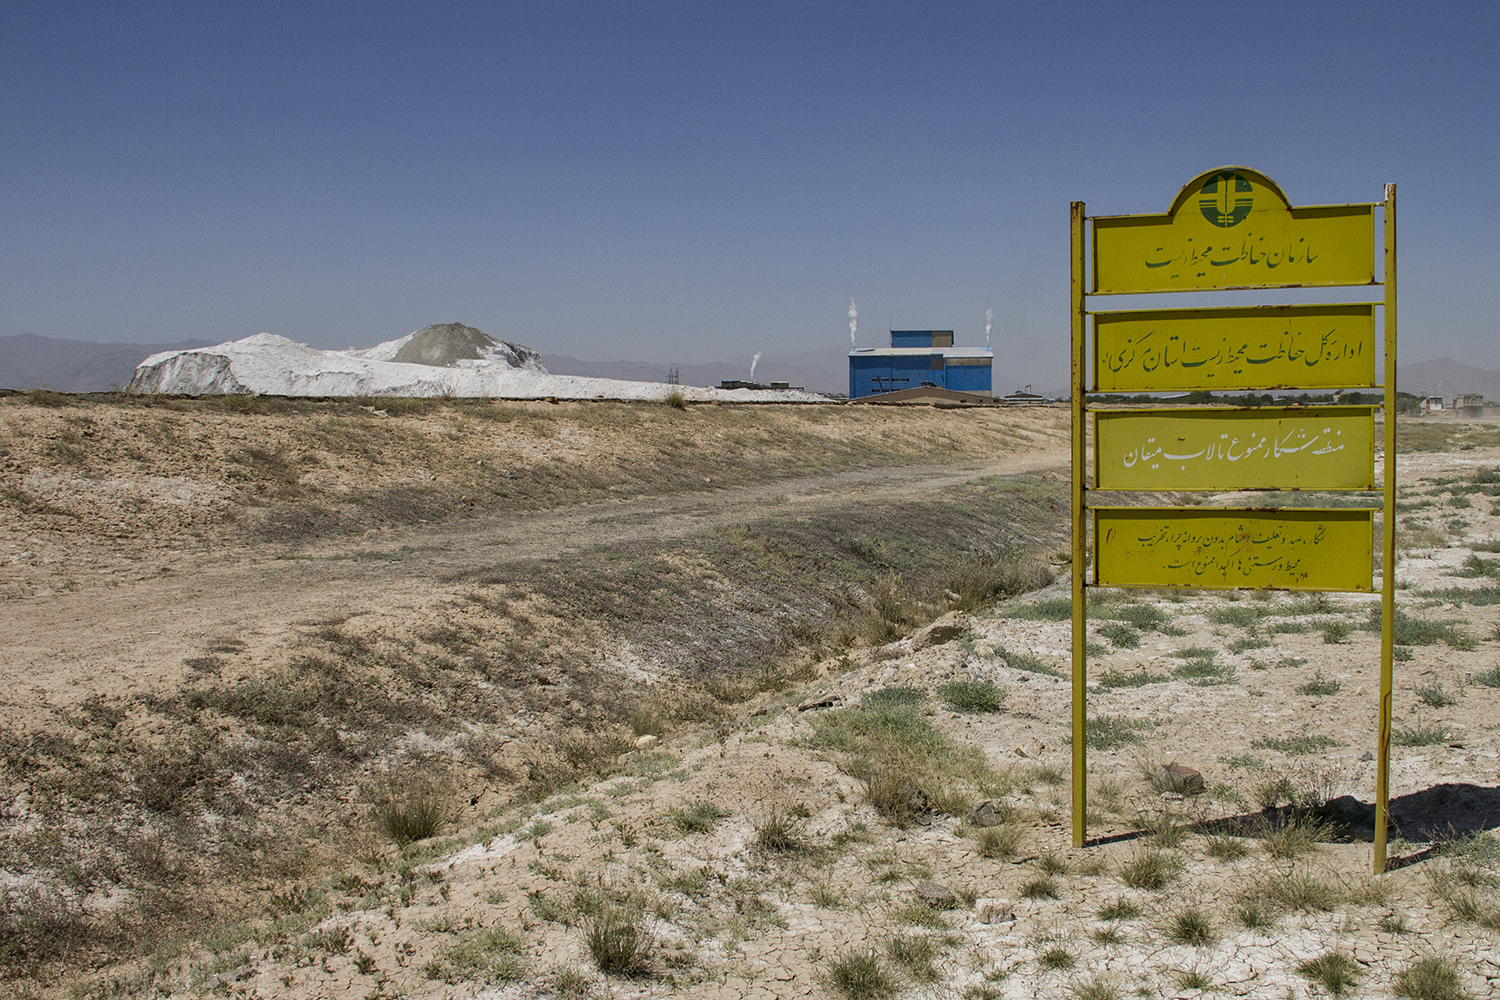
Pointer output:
x,y
445,359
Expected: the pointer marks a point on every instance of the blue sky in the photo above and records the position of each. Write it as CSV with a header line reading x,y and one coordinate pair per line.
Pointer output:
x,y
686,182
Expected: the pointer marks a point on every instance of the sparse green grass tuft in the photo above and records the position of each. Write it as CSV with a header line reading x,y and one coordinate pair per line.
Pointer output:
x,y
780,833
700,817
915,953
1295,746
1051,863
492,955
1191,926
1003,841
1096,989
1431,978
1334,971
1039,888
1408,630
972,696
1320,686
1056,958
893,697
1226,847
1294,835
1120,909
1193,979
410,807
860,975
619,942
1149,870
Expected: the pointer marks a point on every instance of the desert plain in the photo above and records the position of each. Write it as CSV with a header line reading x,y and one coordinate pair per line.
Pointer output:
x,y
462,698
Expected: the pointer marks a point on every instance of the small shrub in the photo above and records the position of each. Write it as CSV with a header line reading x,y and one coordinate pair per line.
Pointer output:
x,y
1333,970
619,943
1149,870
1431,978
1295,746
1109,732
1420,734
675,400
1434,696
1056,958
972,696
1130,679
893,697
1122,636
1294,890
1320,685
1489,678
1335,632
861,976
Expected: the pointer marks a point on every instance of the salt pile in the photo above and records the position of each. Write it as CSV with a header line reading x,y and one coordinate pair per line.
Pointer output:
x,y
445,359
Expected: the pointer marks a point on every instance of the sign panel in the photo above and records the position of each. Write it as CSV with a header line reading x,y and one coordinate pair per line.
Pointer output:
x,y
1298,549
1248,347
1265,448
1234,228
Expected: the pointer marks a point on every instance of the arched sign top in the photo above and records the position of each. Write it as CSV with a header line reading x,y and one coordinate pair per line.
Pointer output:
x,y
1220,186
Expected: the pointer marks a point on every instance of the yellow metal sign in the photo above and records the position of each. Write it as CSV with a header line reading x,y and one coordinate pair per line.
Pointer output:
x,y
1298,549
1248,347
1233,228
1295,448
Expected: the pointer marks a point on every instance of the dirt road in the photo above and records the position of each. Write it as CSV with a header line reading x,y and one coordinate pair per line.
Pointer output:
x,y
132,639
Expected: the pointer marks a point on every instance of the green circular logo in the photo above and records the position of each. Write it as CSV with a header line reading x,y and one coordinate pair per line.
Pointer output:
x,y
1225,199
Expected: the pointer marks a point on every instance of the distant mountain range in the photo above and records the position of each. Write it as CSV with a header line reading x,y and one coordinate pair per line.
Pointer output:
x,y
1447,378
31,362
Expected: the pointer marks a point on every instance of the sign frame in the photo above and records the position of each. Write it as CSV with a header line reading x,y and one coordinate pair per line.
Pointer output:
x,y
1240,193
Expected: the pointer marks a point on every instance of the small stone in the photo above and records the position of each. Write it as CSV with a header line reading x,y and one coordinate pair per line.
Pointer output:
x,y
988,812
646,742
1367,756
1022,753
945,629
819,701
939,897
994,911
1179,779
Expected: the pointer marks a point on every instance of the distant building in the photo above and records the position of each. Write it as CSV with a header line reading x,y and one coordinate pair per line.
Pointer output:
x,y
919,358
1469,404
1432,404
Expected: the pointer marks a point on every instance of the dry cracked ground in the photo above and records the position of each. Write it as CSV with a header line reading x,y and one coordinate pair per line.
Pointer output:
x,y
519,700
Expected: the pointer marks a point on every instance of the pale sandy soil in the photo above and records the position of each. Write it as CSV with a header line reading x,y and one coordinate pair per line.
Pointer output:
x,y
732,919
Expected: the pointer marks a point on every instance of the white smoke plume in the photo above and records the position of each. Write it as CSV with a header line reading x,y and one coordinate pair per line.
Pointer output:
x,y
753,362
989,321
853,322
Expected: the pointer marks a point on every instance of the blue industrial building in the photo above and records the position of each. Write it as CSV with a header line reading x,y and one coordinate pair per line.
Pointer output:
x,y
917,358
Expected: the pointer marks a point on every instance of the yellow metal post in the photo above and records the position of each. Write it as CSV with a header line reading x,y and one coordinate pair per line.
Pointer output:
x,y
1388,542
1080,554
